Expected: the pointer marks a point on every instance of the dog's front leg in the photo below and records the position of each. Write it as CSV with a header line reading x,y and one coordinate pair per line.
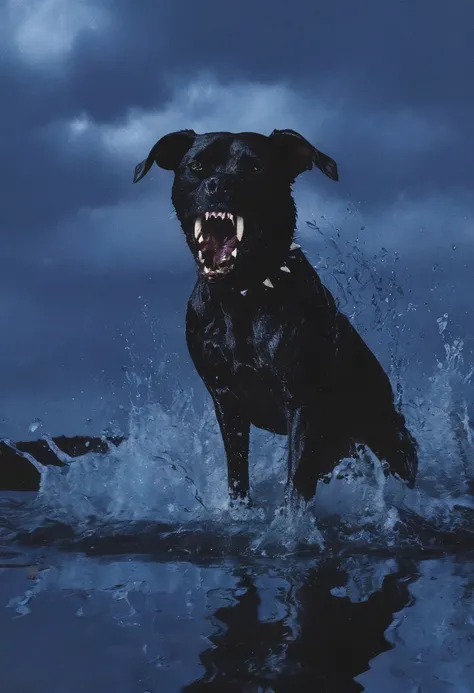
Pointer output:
x,y
314,449
235,429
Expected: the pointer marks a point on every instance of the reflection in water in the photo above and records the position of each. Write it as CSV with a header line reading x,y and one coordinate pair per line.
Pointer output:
x,y
131,625
332,623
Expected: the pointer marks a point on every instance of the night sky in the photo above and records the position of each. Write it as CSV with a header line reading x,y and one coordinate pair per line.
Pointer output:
x,y
94,271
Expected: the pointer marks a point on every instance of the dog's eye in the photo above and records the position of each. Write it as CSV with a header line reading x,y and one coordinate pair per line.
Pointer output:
x,y
195,165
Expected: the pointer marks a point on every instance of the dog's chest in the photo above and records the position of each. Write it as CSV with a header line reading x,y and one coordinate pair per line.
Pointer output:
x,y
243,342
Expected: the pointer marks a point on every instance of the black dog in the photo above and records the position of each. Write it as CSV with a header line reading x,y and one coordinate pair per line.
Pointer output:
x,y
264,333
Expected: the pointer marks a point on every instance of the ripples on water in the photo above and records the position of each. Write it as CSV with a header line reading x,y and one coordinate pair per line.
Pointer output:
x,y
76,622
130,572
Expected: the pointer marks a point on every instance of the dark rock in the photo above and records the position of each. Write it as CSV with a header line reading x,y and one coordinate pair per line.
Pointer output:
x,y
18,474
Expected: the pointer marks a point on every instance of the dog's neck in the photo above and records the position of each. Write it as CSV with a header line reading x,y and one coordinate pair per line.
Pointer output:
x,y
270,281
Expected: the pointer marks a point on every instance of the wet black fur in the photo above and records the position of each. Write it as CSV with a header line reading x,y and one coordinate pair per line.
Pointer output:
x,y
284,358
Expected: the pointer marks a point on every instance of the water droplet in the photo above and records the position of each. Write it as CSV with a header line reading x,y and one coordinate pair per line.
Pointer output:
x,y
34,425
442,323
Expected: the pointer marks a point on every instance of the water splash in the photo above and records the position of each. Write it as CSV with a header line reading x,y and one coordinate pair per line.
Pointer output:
x,y
168,478
171,471
34,425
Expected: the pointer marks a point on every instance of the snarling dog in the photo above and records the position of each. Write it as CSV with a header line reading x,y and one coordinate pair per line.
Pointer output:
x,y
264,333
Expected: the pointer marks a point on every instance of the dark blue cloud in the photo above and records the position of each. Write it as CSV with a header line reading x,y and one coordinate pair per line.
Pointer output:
x,y
384,88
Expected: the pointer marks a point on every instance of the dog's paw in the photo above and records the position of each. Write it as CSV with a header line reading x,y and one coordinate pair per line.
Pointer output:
x,y
238,503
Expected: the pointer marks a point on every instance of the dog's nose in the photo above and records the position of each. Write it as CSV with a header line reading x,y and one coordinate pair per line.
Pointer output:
x,y
212,186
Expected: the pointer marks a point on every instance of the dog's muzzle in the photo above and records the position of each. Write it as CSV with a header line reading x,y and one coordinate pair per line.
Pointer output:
x,y
218,235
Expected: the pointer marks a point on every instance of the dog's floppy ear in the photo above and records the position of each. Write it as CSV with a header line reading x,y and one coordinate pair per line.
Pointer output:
x,y
166,153
300,155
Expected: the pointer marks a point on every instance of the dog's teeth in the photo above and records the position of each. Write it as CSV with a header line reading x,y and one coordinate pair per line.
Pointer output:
x,y
240,228
200,239
284,268
206,216
294,246
230,216
234,252
197,227
206,270
200,256
244,291
268,283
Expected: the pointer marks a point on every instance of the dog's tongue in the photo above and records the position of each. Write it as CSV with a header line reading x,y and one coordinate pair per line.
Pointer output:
x,y
218,245
220,249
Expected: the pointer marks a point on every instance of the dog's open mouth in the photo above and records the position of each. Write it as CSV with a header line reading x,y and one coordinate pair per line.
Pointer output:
x,y
218,235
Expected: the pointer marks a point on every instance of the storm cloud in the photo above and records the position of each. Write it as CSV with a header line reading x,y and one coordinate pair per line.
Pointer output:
x,y
88,87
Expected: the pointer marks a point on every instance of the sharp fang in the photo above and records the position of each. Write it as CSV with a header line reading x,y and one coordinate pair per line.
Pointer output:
x,y
200,239
206,216
268,283
200,256
294,246
206,270
230,216
284,268
240,228
197,227
234,252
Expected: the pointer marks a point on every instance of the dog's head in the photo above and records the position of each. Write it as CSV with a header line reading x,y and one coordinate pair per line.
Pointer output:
x,y
232,196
